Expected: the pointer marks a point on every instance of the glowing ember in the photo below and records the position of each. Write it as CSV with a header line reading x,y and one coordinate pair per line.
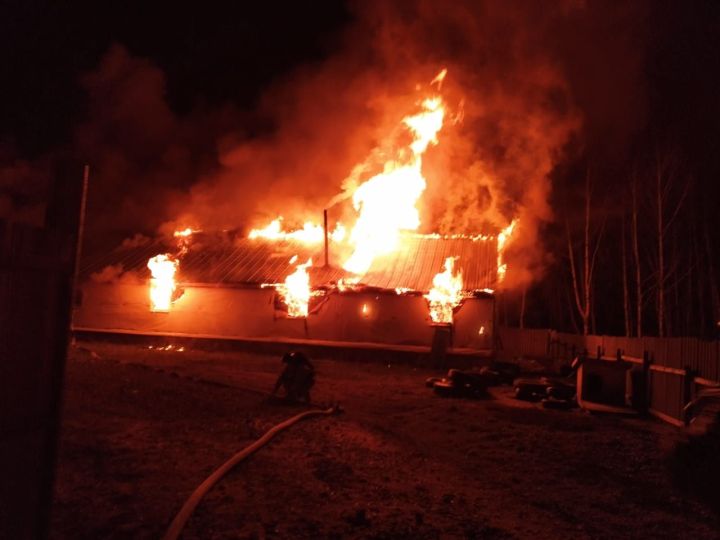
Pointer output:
x,y
309,234
162,283
502,240
345,284
184,237
386,202
446,293
439,78
184,233
295,292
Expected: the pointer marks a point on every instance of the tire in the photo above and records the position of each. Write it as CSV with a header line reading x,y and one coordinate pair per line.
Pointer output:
x,y
430,381
557,404
444,388
562,393
524,394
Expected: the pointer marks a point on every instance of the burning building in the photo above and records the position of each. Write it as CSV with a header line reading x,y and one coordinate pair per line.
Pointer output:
x,y
257,289
375,283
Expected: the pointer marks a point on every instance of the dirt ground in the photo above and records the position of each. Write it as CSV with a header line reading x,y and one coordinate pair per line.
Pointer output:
x,y
143,427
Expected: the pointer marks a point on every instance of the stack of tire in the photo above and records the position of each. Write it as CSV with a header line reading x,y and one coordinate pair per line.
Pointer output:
x,y
553,393
473,384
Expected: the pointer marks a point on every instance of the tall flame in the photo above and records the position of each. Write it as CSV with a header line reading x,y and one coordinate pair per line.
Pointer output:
x,y
295,292
386,207
502,240
386,202
162,283
445,294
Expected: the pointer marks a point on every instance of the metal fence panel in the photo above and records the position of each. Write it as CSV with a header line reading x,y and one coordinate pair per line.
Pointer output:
x,y
667,395
701,356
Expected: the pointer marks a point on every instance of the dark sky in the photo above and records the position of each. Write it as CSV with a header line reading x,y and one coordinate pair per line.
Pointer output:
x,y
230,51
211,52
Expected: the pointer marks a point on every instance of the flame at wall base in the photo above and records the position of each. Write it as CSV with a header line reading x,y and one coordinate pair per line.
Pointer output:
x,y
295,292
446,293
162,283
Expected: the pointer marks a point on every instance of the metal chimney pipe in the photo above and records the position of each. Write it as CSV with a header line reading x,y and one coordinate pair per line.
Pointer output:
x,y
325,230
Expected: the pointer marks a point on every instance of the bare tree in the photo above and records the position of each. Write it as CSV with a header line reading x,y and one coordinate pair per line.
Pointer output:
x,y
666,166
626,294
582,283
712,276
636,252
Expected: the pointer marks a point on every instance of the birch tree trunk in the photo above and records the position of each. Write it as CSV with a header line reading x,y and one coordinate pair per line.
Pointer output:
x,y
636,253
626,295
660,283
582,285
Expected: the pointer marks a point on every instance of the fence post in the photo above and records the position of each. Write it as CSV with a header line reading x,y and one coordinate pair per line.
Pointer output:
x,y
548,342
688,386
645,399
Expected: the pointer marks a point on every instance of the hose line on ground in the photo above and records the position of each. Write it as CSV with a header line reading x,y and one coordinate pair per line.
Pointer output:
x,y
186,511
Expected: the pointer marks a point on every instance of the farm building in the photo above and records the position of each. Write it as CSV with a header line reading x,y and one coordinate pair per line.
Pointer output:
x,y
225,290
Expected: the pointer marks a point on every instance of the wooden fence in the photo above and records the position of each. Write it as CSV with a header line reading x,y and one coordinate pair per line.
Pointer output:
x,y
676,368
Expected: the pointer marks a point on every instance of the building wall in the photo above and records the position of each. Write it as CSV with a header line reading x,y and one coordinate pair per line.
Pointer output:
x,y
250,313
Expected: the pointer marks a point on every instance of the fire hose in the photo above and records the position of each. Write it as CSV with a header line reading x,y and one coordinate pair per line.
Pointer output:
x,y
191,503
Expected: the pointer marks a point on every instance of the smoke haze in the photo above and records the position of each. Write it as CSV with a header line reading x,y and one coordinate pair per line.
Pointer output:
x,y
529,85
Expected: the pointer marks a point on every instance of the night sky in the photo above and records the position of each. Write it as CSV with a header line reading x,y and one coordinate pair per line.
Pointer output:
x,y
224,52
84,80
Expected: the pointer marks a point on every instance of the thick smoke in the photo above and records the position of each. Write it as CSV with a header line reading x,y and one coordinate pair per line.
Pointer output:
x,y
517,89
24,187
512,71
142,155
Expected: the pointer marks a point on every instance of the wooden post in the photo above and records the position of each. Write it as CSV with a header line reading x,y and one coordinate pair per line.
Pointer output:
x,y
643,403
442,341
78,246
39,268
688,386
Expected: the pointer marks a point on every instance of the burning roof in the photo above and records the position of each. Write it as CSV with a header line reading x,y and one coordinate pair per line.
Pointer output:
x,y
253,262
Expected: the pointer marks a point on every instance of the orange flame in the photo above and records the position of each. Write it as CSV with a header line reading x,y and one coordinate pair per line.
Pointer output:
x,y
295,292
184,233
446,293
502,240
386,202
162,283
183,240
309,234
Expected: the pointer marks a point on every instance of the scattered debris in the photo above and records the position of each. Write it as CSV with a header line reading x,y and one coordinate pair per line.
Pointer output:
x,y
553,392
473,383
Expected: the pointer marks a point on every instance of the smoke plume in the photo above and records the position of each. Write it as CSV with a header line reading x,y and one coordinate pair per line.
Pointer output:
x,y
528,86
511,85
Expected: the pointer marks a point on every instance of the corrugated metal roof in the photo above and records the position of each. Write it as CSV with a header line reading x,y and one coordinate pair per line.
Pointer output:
x,y
244,261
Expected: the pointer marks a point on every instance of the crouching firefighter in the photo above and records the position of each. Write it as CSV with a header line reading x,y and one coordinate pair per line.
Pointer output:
x,y
297,377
